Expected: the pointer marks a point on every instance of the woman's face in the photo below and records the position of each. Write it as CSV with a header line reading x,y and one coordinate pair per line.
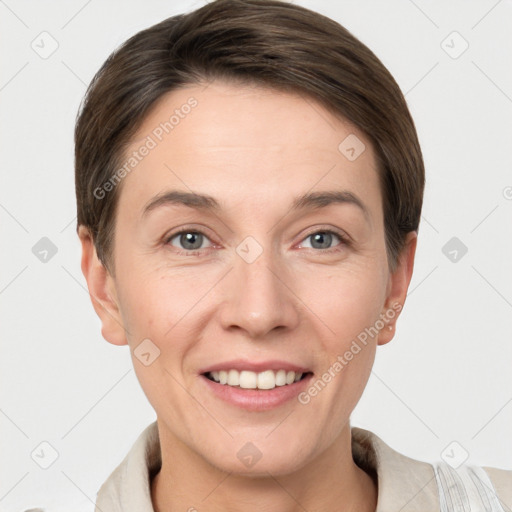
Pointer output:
x,y
260,284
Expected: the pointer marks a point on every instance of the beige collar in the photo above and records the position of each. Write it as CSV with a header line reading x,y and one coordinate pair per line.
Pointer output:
x,y
404,484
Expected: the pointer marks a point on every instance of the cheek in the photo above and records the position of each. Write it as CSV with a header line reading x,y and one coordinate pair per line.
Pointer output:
x,y
347,302
348,310
150,307
155,316
348,306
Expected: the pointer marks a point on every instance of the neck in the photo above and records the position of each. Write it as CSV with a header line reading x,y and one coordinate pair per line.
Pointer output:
x,y
332,482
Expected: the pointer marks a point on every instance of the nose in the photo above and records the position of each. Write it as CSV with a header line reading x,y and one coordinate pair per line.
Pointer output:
x,y
260,298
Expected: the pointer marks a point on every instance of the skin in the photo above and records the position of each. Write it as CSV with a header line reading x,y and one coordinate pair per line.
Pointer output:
x,y
254,150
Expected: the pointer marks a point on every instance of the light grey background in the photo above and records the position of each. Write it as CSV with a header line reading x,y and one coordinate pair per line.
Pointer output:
x,y
445,377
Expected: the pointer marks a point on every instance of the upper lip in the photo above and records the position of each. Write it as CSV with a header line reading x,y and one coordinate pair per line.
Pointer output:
x,y
253,366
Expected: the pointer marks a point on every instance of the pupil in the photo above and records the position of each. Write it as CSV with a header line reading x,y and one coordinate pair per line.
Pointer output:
x,y
324,240
189,238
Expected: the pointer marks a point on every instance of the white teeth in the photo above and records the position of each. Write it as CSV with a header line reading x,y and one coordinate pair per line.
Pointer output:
x,y
281,378
248,380
267,379
233,378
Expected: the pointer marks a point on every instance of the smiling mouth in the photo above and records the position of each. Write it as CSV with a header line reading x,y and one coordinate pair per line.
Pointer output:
x,y
266,380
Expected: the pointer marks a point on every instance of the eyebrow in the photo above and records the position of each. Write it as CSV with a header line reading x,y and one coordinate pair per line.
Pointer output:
x,y
204,202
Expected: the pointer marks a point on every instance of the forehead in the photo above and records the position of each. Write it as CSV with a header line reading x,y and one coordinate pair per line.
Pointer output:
x,y
264,144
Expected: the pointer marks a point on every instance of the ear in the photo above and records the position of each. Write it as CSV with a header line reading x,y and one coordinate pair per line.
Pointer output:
x,y
398,285
101,290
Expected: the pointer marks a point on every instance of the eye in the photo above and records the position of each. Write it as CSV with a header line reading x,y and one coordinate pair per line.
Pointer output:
x,y
188,239
191,241
323,240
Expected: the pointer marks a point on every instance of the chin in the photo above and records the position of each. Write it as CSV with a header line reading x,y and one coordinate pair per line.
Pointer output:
x,y
256,456
276,466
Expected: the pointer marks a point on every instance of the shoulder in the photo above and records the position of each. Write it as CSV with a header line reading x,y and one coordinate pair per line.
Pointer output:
x,y
411,485
502,482
469,486
404,484
127,488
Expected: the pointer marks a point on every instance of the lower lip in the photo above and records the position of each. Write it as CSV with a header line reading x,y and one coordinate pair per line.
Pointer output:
x,y
257,399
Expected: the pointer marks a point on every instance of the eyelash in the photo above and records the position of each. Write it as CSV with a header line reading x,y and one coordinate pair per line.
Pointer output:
x,y
344,241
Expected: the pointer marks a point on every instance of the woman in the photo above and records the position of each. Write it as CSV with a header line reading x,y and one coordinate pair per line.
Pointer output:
x,y
249,186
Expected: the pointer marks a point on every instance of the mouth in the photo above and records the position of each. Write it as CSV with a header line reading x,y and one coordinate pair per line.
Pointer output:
x,y
264,380
256,385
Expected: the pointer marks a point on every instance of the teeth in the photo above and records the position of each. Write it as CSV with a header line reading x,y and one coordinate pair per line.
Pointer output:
x,y
233,378
248,380
267,379
281,378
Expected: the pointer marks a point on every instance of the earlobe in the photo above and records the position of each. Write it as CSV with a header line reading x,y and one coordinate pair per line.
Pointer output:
x,y
101,291
399,282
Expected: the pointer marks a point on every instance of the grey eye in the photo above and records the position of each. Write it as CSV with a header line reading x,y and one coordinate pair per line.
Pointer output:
x,y
322,239
189,240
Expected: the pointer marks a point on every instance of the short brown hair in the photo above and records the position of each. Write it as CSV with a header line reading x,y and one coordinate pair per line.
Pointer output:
x,y
270,43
